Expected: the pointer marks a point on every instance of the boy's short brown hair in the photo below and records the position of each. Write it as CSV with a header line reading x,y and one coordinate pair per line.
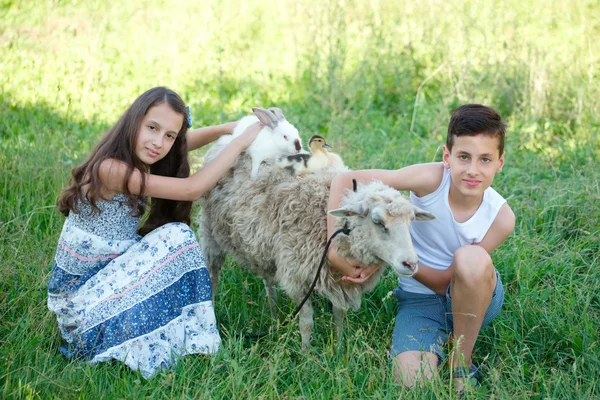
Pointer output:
x,y
476,119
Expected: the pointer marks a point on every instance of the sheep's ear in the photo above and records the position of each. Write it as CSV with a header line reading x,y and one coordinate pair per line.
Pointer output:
x,y
351,210
278,113
421,215
266,117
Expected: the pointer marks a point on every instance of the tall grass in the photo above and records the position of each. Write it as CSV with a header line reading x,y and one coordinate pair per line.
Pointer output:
x,y
379,79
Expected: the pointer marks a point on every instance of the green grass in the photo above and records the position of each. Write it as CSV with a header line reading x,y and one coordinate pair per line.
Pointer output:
x,y
379,79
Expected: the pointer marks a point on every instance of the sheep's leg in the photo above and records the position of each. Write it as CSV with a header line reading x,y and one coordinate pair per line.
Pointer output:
x,y
306,323
272,297
214,257
338,318
214,278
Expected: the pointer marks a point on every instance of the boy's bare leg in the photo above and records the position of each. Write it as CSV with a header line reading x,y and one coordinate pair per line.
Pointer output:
x,y
410,367
472,287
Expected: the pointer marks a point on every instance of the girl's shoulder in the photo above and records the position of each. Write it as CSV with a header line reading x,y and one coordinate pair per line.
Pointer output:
x,y
113,174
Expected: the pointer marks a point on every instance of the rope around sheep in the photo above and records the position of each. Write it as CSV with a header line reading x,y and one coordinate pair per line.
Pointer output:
x,y
346,231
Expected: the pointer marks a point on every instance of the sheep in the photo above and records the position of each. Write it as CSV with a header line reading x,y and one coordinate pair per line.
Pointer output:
x,y
276,227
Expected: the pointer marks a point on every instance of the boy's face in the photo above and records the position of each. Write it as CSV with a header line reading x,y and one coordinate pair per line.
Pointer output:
x,y
473,163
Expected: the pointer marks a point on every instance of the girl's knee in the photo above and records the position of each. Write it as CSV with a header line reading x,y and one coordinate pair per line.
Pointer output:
x,y
173,234
174,228
177,225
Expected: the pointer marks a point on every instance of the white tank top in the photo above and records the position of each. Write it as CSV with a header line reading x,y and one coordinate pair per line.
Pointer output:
x,y
436,241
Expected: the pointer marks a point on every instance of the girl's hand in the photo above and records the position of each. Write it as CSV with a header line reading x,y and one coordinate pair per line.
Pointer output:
x,y
229,127
350,268
247,137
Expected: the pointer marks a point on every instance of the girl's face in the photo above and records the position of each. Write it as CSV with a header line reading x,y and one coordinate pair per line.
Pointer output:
x,y
157,133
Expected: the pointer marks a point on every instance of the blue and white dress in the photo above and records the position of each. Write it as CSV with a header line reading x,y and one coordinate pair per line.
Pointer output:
x,y
142,300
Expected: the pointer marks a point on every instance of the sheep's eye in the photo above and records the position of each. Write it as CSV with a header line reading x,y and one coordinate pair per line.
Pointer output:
x,y
380,223
285,137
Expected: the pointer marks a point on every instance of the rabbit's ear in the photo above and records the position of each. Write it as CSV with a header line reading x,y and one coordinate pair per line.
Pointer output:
x,y
278,113
266,117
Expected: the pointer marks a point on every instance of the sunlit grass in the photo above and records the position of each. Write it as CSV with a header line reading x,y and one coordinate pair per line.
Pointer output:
x,y
379,79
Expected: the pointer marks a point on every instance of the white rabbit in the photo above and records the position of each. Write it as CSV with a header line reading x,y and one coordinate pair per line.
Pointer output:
x,y
276,139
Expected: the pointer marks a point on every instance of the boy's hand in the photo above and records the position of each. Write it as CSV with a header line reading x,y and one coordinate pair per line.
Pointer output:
x,y
365,274
249,134
350,268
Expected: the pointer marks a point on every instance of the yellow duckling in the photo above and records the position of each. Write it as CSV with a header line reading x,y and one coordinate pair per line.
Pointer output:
x,y
318,159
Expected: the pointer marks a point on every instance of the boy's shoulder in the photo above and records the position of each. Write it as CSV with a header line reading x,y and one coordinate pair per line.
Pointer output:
x,y
504,215
502,227
421,179
505,219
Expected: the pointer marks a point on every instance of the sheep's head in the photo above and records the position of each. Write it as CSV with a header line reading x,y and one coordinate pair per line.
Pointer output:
x,y
379,218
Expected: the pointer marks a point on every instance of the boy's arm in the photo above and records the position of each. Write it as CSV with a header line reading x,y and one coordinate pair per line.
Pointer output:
x,y
421,179
435,279
202,136
501,228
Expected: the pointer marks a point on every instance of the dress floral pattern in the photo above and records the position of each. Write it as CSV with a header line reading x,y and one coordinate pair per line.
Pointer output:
x,y
145,301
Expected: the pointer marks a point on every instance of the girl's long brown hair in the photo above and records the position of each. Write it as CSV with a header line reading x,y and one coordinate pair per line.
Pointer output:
x,y
119,144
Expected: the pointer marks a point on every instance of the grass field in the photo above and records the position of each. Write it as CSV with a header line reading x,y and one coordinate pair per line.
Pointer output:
x,y
379,79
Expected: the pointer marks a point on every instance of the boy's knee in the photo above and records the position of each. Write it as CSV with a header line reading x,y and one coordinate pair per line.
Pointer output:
x,y
473,264
411,367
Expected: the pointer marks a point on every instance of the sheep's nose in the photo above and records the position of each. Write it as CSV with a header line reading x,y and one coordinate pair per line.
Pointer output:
x,y
298,145
410,265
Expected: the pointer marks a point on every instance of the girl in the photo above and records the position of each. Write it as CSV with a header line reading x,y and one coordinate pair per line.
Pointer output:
x,y
140,294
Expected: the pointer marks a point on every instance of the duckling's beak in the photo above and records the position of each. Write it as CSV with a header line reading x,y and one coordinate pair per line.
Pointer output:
x,y
327,146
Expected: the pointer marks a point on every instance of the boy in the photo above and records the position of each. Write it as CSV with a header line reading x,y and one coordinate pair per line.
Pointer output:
x,y
456,288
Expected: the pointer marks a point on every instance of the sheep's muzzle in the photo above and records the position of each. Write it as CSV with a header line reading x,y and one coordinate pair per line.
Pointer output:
x,y
410,265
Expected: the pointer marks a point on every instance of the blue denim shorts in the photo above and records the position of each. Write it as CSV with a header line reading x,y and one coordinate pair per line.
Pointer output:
x,y
423,321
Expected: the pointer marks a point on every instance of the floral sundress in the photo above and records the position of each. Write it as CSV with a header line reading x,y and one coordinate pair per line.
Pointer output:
x,y
145,301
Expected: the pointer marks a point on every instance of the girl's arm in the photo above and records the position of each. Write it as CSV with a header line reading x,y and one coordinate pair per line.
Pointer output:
x,y
421,179
203,136
113,173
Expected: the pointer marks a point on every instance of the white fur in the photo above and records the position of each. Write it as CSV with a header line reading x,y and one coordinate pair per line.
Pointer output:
x,y
276,139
